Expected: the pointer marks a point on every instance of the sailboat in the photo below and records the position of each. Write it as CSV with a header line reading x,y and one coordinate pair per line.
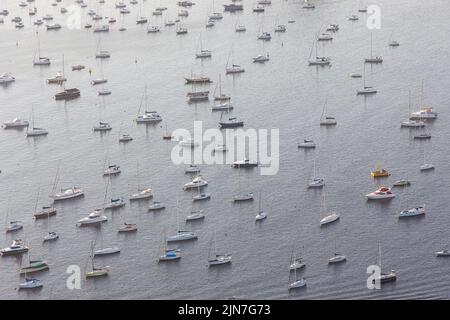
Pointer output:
x,y
221,96
239,27
372,59
218,259
35,131
96,271
201,195
385,277
169,254
411,212
203,53
141,194
366,89
181,235
261,214
51,235
59,78
327,120
315,181
327,217
411,123
426,166
393,43
337,257
233,68
45,212
317,60
242,196
33,266
297,283
40,61
115,202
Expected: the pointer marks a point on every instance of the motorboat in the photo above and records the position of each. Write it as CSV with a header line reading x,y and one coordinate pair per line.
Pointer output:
x,y
128,227
197,96
424,113
381,193
248,196
412,124
333,27
95,217
280,28
426,167
366,90
413,212
324,37
201,196
231,123
245,163
103,54
261,58
68,94
45,212
329,218
307,144
195,215
112,170
17,247
156,206
51,236
316,183
35,132
69,193
115,203
203,54
181,30
78,67
192,169
422,136
234,68
14,226
53,26
102,28
149,117
42,61
319,61
6,78
182,235
197,182
379,173
265,36
95,82
199,79
232,7
31,283
125,138
337,258
220,259
57,79
102,126
153,29
142,194
107,251
16,123
443,253
401,183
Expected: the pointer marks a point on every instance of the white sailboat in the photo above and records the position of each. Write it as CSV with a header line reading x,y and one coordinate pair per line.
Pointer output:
x,y
326,217
35,131
317,60
366,89
38,60
316,182
261,214
202,54
327,120
372,59
96,271
216,258
141,193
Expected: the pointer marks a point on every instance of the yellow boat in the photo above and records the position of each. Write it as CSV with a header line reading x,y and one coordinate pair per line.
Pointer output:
x,y
377,173
98,272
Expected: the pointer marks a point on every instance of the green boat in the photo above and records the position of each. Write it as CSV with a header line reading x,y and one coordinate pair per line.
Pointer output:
x,y
34,266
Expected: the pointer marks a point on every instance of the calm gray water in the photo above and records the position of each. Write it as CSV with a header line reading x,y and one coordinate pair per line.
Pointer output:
x,y
284,93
